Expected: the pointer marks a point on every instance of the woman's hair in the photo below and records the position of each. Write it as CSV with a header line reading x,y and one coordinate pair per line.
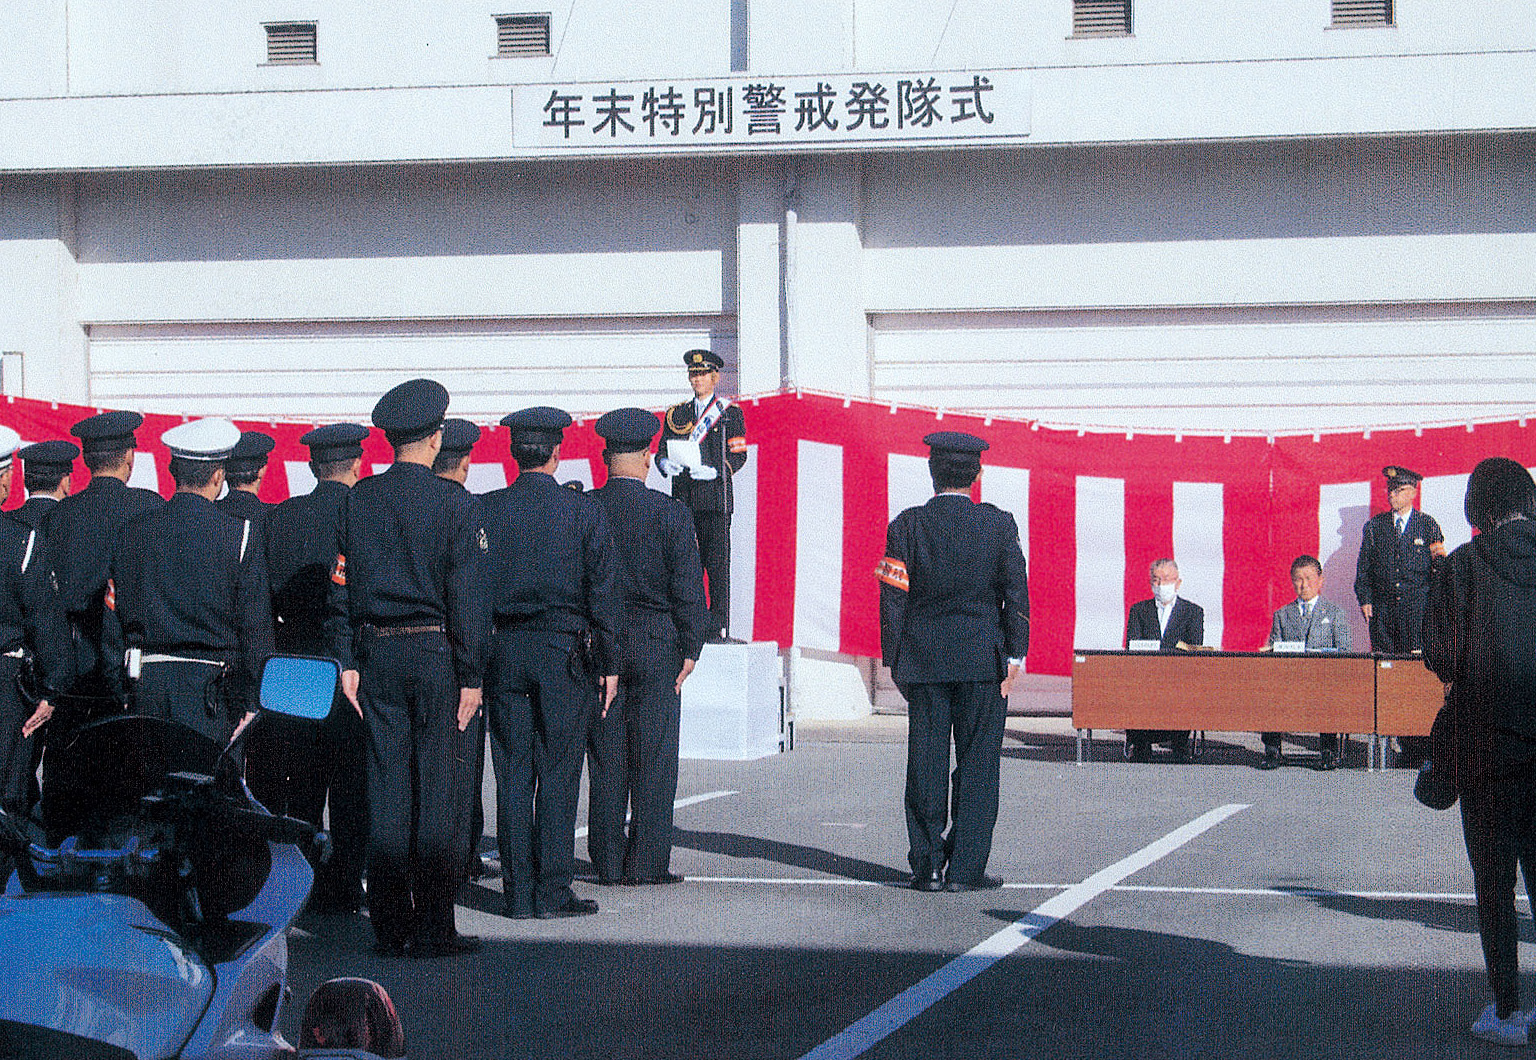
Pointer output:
x,y
1498,488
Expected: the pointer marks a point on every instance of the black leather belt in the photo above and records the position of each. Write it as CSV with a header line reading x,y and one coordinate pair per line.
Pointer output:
x,y
403,631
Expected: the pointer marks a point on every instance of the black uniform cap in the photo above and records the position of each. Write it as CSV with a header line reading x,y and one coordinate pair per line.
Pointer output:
x,y
250,452
459,436
107,432
1401,476
628,430
411,411
955,442
540,425
335,441
54,453
703,361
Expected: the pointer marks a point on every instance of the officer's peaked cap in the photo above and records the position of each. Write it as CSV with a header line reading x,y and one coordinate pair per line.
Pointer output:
x,y
107,431
628,430
1400,476
54,453
213,438
459,436
703,361
411,411
955,442
335,441
250,452
540,425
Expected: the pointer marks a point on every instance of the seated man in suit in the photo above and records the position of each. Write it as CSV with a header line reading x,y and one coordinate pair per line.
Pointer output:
x,y
1319,624
1169,619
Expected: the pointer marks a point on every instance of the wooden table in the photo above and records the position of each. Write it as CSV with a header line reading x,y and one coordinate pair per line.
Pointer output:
x,y
1408,696
1222,692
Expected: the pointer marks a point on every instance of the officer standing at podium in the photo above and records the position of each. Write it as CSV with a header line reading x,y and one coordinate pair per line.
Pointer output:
x,y
954,628
662,627
717,427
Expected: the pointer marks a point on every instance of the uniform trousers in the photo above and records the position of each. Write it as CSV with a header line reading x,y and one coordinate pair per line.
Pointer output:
x,y
633,762
188,693
17,771
974,712
541,701
1498,821
1397,623
419,771
714,533
300,768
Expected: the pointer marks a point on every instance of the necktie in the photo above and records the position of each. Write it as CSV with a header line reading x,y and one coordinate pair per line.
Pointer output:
x,y
1402,521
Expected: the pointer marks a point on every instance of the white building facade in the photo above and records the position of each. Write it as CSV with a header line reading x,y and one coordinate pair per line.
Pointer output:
x,y
1229,216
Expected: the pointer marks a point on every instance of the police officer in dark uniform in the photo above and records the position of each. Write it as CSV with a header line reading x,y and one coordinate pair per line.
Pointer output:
x,y
452,464
662,628
297,768
245,470
954,629
1398,548
407,618
48,474
188,594
553,575
32,628
717,426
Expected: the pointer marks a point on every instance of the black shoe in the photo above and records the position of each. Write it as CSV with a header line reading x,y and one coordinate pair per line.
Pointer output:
x,y
453,946
1271,759
926,880
652,881
573,907
479,868
1330,760
1138,752
980,883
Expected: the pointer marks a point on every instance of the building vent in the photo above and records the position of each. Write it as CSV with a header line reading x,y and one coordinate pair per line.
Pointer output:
x,y
1362,12
522,35
1102,18
289,43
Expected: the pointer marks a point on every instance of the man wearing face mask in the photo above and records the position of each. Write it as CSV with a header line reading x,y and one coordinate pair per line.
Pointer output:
x,y
1170,620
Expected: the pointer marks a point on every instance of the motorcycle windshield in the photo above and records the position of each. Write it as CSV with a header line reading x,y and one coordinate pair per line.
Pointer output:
x,y
110,765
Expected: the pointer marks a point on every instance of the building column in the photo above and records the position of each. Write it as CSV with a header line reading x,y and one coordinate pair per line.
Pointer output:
x,y
36,230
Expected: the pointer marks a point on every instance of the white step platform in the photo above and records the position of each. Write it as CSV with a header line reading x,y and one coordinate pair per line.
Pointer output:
x,y
734,704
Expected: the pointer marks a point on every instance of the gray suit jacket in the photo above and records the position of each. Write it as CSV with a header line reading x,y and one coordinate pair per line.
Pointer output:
x,y
1326,628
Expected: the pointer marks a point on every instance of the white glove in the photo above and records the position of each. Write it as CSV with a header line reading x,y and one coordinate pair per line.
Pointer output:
x,y
669,467
705,473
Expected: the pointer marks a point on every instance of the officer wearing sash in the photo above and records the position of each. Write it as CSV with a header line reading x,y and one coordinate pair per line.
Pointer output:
x,y
245,470
188,595
715,428
31,626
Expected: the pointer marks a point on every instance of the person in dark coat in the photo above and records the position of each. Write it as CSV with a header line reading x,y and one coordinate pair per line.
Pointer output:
x,y
552,575
954,629
717,427
1398,548
406,615
188,594
84,530
300,768
632,758
245,471
1170,620
32,628
1478,632
48,474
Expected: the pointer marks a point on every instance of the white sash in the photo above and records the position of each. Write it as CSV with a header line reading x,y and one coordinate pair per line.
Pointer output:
x,y
711,416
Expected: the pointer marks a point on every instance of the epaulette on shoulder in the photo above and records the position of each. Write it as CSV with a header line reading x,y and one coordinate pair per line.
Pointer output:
x,y
680,421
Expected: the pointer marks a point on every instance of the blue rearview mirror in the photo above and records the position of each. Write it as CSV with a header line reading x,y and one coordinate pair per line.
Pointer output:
x,y
299,686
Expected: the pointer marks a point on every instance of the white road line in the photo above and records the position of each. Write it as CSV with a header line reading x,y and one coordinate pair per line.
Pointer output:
x,y
912,1002
691,800
1126,888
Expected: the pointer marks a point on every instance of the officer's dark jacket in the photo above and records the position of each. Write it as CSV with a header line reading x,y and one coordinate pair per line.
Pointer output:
x,y
723,447
243,504
552,562
31,615
1186,623
661,578
84,529
34,513
409,552
954,601
1388,566
188,578
301,551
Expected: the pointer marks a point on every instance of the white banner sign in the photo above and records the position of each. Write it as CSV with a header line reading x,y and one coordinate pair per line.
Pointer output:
x,y
762,112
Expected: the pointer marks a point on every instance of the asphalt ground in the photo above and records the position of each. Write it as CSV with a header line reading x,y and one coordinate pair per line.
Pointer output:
x,y
1149,910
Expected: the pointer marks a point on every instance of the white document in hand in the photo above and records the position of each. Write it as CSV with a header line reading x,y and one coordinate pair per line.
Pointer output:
x,y
685,451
